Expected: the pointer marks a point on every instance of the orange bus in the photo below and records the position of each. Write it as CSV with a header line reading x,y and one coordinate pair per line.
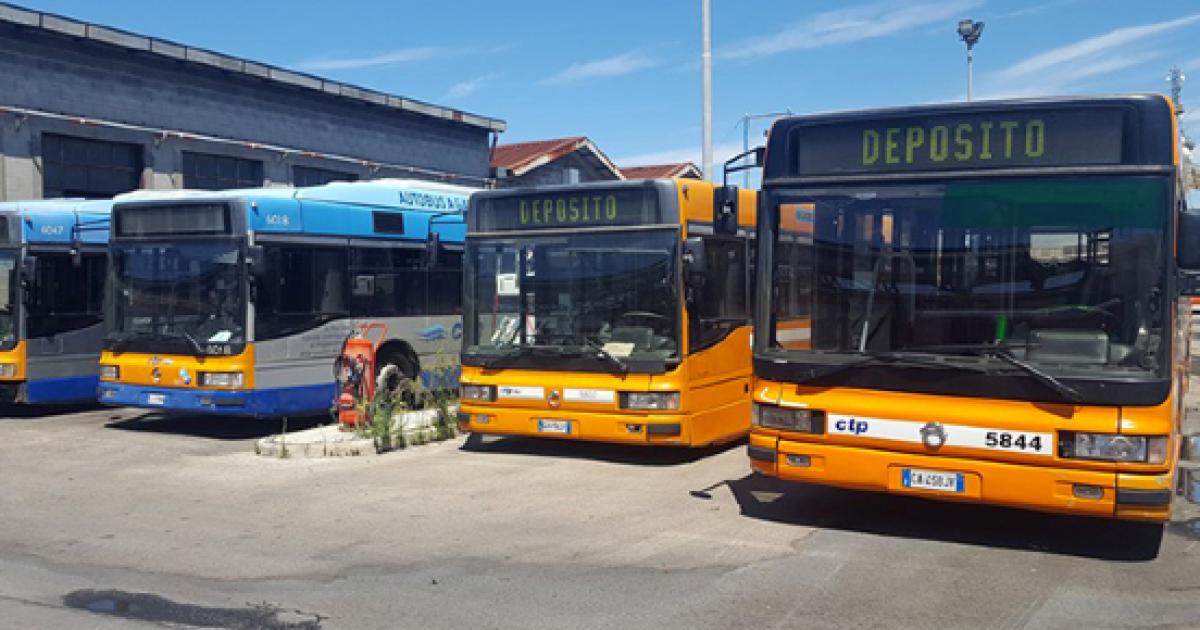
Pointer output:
x,y
613,312
993,300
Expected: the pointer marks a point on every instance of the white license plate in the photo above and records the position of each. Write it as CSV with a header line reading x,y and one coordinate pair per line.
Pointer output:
x,y
156,399
932,480
554,426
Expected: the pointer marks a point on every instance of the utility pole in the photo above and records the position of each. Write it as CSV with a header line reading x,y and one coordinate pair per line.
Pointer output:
x,y
706,70
970,31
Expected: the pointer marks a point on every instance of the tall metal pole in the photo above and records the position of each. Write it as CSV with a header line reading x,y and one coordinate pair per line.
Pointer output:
x,y
706,70
970,70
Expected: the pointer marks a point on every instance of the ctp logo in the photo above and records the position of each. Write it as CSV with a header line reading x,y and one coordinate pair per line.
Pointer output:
x,y
851,426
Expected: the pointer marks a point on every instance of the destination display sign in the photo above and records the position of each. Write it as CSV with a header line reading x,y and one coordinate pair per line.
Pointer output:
x,y
564,208
1076,136
192,218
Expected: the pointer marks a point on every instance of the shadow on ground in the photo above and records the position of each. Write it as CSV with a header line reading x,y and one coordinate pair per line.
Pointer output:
x,y
35,412
891,515
612,453
215,427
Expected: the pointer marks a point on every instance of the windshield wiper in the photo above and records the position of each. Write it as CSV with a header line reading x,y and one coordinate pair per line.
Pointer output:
x,y
121,340
916,359
601,353
999,352
186,336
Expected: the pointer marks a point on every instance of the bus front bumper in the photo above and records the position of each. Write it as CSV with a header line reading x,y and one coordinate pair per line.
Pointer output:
x,y
621,428
251,402
1142,497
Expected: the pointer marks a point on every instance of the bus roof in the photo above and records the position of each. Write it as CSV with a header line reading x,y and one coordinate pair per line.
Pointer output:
x,y
349,209
55,221
391,193
1088,132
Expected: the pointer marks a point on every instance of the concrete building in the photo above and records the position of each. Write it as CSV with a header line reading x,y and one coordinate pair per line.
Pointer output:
x,y
556,161
91,111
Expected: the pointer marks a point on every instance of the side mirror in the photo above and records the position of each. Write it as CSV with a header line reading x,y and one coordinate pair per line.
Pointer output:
x,y
1189,240
695,267
725,209
433,248
256,260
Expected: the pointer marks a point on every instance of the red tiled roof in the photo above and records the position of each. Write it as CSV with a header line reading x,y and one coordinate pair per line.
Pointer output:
x,y
520,154
661,171
519,158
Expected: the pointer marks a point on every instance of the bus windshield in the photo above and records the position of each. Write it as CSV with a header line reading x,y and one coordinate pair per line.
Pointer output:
x,y
1064,273
183,297
614,293
8,299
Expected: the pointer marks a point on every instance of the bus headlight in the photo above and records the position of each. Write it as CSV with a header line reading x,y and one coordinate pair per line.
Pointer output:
x,y
650,401
222,379
109,372
1114,447
8,370
486,393
788,418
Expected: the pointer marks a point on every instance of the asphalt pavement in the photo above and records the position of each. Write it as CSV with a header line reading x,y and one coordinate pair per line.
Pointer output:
x,y
114,519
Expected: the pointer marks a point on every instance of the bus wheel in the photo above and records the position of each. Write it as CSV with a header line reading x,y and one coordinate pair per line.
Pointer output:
x,y
394,373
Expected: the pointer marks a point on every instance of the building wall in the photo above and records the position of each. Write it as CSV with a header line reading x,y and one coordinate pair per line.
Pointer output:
x,y
558,172
50,72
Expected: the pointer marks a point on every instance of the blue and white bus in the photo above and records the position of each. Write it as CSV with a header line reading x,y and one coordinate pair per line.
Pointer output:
x,y
53,255
238,302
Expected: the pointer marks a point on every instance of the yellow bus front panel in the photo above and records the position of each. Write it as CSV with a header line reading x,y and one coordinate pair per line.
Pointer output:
x,y
593,406
907,443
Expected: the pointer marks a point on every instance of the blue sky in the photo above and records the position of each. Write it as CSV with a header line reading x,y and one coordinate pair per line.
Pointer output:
x,y
626,73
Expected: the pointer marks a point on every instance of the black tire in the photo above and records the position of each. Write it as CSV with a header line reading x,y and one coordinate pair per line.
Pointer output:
x,y
408,372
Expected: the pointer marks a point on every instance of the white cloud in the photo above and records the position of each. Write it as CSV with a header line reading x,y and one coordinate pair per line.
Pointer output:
x,y
844,26
1067,67
615,66
463,89
404,55
721,152
1038,8
1090,49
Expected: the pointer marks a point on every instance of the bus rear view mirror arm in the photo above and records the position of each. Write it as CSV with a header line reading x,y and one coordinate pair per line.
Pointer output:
x,y
1188,244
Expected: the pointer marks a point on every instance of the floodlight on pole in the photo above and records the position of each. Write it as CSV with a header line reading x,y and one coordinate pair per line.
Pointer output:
x,y
969,31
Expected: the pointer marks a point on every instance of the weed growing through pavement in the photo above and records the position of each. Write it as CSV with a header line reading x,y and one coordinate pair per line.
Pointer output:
x,y
283,449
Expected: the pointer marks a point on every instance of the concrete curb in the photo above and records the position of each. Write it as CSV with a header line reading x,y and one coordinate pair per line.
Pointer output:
x,y
415,427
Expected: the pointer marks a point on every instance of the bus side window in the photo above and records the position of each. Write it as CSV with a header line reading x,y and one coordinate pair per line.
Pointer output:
x,y
67,297
305,286
721,306
445,284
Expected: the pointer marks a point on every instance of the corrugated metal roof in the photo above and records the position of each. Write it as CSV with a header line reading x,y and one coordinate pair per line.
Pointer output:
x,y
29,18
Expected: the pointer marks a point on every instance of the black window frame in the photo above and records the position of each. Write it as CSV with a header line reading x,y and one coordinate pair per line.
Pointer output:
x,y
223,172
73,166
317,176
65,296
